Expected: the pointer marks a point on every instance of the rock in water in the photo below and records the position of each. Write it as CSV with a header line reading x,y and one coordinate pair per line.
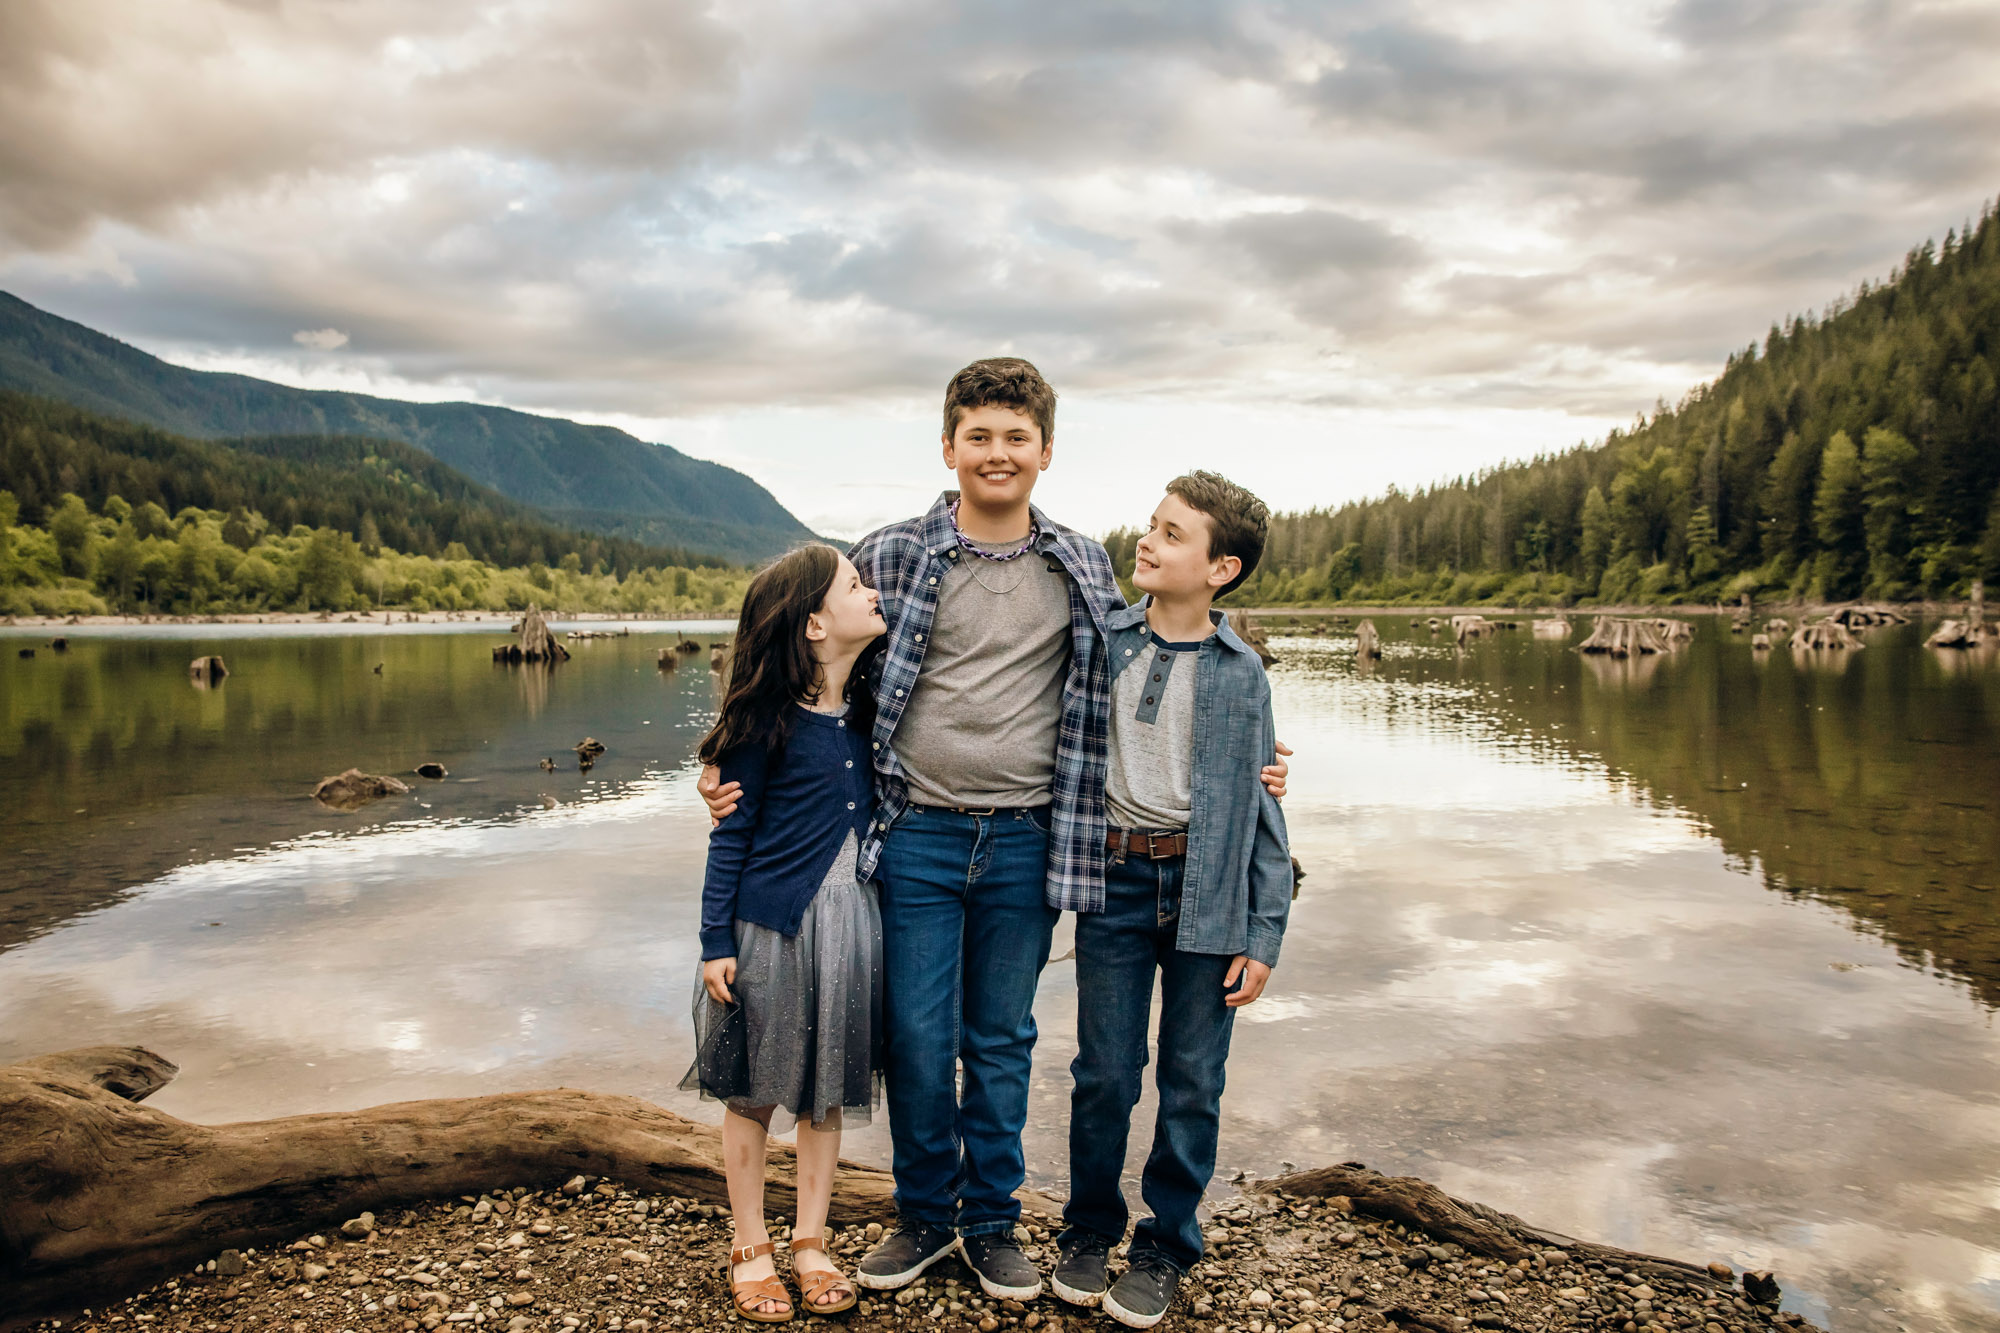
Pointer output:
x,y
1761,1288
589,745
431,770
353,789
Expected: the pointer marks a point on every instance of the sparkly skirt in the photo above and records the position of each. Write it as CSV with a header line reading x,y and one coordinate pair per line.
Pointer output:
x,y
803,1039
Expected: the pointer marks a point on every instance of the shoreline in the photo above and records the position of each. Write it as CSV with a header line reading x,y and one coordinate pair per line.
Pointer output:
x,y
1916,610
589,1254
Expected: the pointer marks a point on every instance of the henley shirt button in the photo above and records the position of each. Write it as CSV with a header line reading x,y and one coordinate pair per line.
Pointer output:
x,y
1149,698
1156,675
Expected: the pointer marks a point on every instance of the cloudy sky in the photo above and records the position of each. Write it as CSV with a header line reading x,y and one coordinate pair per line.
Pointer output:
x,y
1323,247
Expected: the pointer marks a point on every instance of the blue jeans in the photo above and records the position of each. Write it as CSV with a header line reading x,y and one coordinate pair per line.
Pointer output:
x,y
965,935
1117,954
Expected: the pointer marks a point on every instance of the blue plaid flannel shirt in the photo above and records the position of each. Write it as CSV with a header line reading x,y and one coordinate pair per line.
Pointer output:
x,y
903,562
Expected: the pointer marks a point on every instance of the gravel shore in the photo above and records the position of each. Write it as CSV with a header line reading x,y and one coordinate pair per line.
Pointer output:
x,y
591,1255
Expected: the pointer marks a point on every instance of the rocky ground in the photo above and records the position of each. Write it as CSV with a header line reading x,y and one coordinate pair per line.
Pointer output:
x,y
591,1255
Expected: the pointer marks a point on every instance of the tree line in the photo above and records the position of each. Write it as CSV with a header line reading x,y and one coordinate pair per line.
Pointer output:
x,y
383,493
1856,453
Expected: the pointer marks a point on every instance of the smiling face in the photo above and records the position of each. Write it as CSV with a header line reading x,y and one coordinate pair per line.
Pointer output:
x,y
849,617
1173,558
997,453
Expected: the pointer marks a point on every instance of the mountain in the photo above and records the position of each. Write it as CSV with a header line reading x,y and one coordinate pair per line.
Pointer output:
x,y
1856,452
594,477
377,491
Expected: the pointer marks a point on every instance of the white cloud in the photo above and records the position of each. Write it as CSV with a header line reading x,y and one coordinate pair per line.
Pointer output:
x,y
324,340
1360,220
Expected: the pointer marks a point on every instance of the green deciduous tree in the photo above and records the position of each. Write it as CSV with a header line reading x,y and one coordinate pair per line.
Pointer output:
x,y
1838,518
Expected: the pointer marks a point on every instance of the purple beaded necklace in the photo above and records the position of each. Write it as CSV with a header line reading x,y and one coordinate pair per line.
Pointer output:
x,y
966,544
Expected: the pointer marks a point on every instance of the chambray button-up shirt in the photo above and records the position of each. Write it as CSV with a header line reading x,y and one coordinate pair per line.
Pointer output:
x,y
1236,892
903,563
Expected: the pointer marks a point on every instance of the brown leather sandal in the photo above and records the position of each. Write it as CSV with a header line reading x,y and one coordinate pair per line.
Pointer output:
x,y
819,1281
748,1295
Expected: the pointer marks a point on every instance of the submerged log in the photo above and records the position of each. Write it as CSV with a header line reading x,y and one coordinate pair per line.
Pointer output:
x,y
353,789
1253,635
100,1195
1825,634
1480,1229
1624,638
1367,643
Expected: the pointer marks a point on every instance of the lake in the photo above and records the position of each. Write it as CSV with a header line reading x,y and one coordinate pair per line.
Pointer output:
x,y
1695,954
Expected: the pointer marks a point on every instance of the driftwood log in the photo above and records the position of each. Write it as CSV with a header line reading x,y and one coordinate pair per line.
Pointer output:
x,y
1480,1229
100,1196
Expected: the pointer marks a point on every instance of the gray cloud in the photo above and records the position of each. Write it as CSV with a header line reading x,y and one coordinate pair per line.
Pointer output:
x,y
671,208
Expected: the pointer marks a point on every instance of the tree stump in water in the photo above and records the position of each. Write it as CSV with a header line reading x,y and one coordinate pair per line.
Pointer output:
x,y
1825,634
1472,627
1868,617
1551,629
1253,635
100,1195
1962,634
1623,638
206,670
1367,643
1760,643
688,646
537,643
669,660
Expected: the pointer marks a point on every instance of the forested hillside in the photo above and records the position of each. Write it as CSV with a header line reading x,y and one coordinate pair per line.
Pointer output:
x,y
592,477
1853,453
99,515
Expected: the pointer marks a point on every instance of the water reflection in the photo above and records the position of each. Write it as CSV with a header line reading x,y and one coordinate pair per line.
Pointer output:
x,y
1686,957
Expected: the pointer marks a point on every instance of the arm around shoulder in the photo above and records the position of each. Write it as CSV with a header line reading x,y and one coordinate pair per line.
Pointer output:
x,y
729,846
1270,865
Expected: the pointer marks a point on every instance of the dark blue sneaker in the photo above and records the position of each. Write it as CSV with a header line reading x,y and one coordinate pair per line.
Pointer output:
x,y
1004,1272
1080,1276
1143,1296
904,1254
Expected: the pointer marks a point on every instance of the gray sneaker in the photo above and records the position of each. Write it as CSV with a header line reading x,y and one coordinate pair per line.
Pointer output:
x,y
1004,1272
1080,1278
904,1254
1142,1297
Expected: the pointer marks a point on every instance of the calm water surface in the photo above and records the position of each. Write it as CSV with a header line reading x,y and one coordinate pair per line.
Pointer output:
x,y
1697,955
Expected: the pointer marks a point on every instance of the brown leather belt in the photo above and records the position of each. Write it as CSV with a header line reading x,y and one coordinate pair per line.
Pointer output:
x,y
1152,846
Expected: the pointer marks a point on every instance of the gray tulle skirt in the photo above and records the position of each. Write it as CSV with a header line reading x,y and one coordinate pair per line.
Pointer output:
x,y
803,1040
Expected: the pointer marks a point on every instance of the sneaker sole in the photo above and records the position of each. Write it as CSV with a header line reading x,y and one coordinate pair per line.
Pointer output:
x,y
893,1281
1130,1318
1064,1291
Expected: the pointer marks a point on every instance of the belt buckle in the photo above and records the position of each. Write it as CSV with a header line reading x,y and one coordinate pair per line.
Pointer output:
x,y
981,811
1153,844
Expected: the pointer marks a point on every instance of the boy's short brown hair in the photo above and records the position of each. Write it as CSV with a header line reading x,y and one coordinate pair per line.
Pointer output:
x,y
1001,381
1238,522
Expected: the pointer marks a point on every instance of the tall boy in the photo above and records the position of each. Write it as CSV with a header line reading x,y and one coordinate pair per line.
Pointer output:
x,y
1198,890
992,708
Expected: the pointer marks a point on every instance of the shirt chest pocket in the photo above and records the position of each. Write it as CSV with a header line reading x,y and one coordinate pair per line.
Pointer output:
x,y
1241,720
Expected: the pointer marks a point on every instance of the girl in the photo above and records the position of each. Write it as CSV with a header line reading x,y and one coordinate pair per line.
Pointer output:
x,y
788,1008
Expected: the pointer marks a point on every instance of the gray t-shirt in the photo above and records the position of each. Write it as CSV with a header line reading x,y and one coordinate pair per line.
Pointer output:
x,y
1149,777
980,727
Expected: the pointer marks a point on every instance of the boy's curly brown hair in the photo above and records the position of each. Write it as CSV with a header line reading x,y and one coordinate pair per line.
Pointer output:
x,y
1001,381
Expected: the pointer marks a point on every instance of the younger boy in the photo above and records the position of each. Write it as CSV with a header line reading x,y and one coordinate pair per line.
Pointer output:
x,y
1198,889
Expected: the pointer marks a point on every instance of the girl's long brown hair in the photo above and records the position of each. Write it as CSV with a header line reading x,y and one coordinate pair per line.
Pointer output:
x,y
771,666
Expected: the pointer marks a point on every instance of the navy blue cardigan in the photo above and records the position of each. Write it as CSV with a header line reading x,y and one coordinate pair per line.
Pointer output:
x,y
767,859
